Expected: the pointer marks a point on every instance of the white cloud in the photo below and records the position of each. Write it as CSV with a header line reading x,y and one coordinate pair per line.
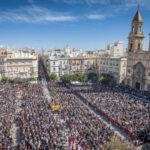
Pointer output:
x,y
59,18
97,1
96,16
31,1
34,14
124,4
83,1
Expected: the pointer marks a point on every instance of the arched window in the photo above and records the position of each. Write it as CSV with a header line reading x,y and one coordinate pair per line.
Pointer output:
x,y
139,46
130,47
133,29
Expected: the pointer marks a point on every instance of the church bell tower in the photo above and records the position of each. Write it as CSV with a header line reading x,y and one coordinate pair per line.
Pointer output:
x,y
135,39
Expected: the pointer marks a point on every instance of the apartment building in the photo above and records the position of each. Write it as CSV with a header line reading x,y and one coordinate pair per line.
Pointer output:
x,y
115,66
18,63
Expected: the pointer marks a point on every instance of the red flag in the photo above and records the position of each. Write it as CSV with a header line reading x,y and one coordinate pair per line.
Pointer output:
x,y
69,142
72,147
76,146
4,146
83,146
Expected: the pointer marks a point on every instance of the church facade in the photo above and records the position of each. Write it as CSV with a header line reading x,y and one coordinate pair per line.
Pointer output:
x,y
138,60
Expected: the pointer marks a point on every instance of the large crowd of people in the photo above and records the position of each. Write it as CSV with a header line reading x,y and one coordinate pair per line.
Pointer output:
x,y
75,126
85,127
40,130
8,101
128,112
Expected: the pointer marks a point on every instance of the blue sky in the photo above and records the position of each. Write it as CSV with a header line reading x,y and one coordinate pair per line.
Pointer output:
x,y
86,24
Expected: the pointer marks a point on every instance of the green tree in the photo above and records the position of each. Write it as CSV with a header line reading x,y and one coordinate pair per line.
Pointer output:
x,y
66,78
53,76
32,79
83,77
73,77
92,77
4,79
106,79
80,76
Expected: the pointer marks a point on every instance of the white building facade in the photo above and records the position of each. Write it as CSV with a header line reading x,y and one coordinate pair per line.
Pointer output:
x,y
115,66
19,64
116,49
59,66
71,65
115,62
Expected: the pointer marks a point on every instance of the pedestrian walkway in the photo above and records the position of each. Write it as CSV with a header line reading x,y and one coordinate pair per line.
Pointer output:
x,y
63,131
15,130
107,122
46,93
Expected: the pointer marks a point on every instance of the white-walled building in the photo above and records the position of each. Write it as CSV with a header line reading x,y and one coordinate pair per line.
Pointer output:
x,y
115,66
60,66
117,49
65,52
70,65
68,61
18,63
114,62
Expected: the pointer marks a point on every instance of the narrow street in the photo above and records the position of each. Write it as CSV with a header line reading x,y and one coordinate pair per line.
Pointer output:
x,y
63,132
15,130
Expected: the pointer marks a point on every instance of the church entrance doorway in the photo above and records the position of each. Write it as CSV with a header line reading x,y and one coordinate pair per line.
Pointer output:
x,y
137,85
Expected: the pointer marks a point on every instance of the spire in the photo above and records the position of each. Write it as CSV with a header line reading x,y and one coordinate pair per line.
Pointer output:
x,y
136,35
137,17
